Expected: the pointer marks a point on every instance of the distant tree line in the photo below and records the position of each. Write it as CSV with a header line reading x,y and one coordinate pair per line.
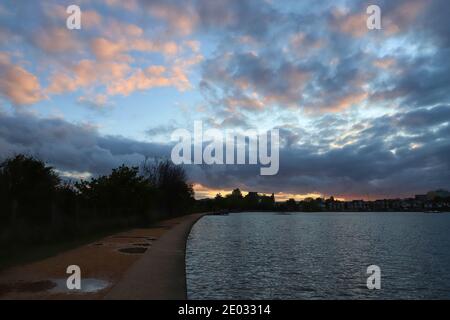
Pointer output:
x,y
37,206
235,201
254,201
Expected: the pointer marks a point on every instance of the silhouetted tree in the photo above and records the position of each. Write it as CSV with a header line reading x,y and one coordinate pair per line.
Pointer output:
x,y
219,202
236,193
174,195
251,200
291,205
267,202
310,205
37,208
234,200
123,192
27,188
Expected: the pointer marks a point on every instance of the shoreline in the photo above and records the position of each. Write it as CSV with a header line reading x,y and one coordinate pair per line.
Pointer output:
x,y
161,272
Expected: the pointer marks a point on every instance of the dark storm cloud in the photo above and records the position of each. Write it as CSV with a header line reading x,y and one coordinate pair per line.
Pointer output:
x,y
71,147
399,154
381,162
437,22
425,117
162,130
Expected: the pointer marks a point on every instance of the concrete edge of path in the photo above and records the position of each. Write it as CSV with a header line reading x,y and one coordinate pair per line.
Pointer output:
x,y
161,272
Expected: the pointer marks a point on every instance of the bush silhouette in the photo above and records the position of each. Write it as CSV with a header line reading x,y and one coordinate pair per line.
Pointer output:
x,y
37,206
27,188
174,195
123,192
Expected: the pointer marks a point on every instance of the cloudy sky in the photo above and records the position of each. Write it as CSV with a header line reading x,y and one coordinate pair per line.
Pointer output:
x,y
362,113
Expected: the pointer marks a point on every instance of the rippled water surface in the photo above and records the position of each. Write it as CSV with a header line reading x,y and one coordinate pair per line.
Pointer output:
x,y
319,256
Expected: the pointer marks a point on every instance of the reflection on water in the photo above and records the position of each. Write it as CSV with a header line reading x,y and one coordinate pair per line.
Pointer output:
x,y
319,256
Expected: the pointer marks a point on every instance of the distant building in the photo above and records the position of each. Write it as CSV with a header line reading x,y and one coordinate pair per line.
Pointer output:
x,y
254,197
438,194
420,197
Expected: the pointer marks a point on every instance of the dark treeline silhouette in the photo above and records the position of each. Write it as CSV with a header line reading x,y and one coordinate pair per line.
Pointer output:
x,y
433,201
235,201
36,206
252,201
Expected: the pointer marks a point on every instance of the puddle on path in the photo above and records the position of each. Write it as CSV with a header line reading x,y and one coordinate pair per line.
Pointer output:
x,y
133,250
88,285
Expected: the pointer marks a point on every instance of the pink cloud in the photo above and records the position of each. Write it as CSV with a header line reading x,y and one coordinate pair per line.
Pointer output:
x,y
151,77
338,104
86,73
352,24
90,19
105,49
57,40
17,84
130,5
117,29
403,16
384,63
180,19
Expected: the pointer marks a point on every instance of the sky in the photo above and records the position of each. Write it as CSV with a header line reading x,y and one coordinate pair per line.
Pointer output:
x,y
362,114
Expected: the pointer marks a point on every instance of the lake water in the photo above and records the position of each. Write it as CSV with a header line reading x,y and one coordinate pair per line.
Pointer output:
x,y
319,256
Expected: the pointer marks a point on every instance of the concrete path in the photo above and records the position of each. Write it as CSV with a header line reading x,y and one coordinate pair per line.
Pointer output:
x,y
161,273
